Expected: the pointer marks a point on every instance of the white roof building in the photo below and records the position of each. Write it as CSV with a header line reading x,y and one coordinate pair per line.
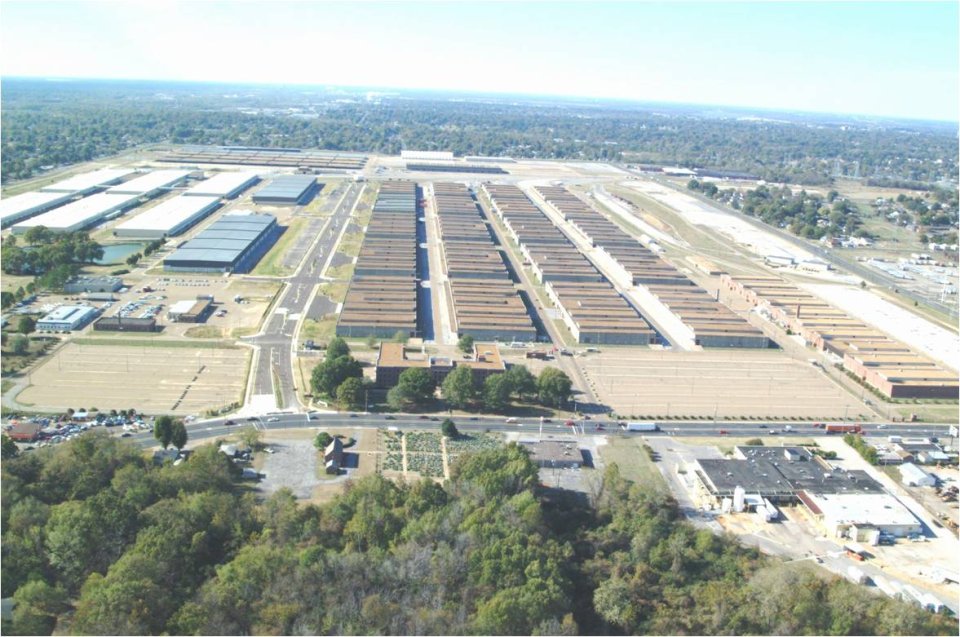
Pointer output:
x,y
20,207
150,183
429,155
168,218
88,182
226,185
80,214
913,476
839,512
66,317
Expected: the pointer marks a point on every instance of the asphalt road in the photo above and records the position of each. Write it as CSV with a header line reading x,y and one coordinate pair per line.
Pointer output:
x,y
216,427
274,363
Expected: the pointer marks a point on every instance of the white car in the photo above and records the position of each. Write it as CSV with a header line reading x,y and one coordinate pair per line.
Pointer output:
x,y
273,419
511,420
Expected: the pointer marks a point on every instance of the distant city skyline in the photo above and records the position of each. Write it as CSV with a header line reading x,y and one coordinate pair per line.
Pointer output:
x,y
878,59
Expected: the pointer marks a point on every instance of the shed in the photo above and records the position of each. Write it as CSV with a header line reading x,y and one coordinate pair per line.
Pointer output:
x,y
914,476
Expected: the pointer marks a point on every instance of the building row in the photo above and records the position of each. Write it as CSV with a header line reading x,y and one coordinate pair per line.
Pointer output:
x,y
711,323
885,364
382,298
70,205
486,304
288,190
256,156
589,305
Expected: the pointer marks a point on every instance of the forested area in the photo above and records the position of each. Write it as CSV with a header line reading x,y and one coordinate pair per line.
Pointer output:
x,y
52,258
97,540
53,124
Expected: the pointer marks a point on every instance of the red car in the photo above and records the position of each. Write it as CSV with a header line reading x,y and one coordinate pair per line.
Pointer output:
x,y
570,423
724,432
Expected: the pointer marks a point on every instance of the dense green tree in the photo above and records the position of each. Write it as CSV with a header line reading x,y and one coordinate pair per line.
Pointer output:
x,y
496,392
465,344
415,388
554,387
459,389
336,348
322,440
332,372
350,393
36,606
522,382
163,430
19,344
8,448
26,325
449,428
178,435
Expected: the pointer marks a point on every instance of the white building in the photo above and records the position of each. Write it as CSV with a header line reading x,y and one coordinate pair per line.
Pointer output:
x,y
150,184
80,214
169,218
66,318
428,155
20,207
857,514
913,476
87,183
225,185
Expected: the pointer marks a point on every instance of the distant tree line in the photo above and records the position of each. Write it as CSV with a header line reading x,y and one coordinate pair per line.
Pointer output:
x,y
46,124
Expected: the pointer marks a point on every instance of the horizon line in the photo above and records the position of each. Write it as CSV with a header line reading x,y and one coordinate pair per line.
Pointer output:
x,y
635,101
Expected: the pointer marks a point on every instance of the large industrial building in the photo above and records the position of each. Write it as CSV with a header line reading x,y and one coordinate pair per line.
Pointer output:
x,y
288,190
29,204
847,504
224,185
151,184
259,156
66,318
590,307
87,183
486,305
80,214
233,243
866,352
169,218
95,284
382,298
710,323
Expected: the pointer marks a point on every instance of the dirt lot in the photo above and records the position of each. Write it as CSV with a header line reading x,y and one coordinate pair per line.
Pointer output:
x,y
144,374
737,384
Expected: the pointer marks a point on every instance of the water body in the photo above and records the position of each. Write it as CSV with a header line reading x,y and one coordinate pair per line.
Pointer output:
x,y
117,253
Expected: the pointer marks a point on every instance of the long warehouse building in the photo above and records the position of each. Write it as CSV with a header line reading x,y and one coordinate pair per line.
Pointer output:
x,y
288,190
486,304
88,183
589,306
151,183
711,323
233,243
169,218
226,185
30,204
382,298
80,214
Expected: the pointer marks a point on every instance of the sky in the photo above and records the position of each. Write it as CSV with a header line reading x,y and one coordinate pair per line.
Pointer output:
x,y
888,59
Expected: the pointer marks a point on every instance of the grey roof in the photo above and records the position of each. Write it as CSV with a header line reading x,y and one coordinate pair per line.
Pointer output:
x,y
212,255
286,187
223,241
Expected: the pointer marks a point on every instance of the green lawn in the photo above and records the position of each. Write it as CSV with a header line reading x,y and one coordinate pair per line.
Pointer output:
x,y
633,462
270,264
140,342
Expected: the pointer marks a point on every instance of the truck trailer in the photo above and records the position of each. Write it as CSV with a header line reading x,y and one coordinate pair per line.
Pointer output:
x,y
640,426
842,428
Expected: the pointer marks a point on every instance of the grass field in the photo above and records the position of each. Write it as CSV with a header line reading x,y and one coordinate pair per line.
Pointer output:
x,y
322,330
342,272
270,264
151,376
633,462
336,291
350,244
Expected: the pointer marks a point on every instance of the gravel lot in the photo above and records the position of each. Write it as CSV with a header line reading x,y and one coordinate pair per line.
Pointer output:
x,y
294,465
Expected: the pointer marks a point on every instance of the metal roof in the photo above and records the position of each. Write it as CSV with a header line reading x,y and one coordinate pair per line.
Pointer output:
x,y
286,187
224,184
86,181
150,182
219,246
20,206
79,214
169,215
